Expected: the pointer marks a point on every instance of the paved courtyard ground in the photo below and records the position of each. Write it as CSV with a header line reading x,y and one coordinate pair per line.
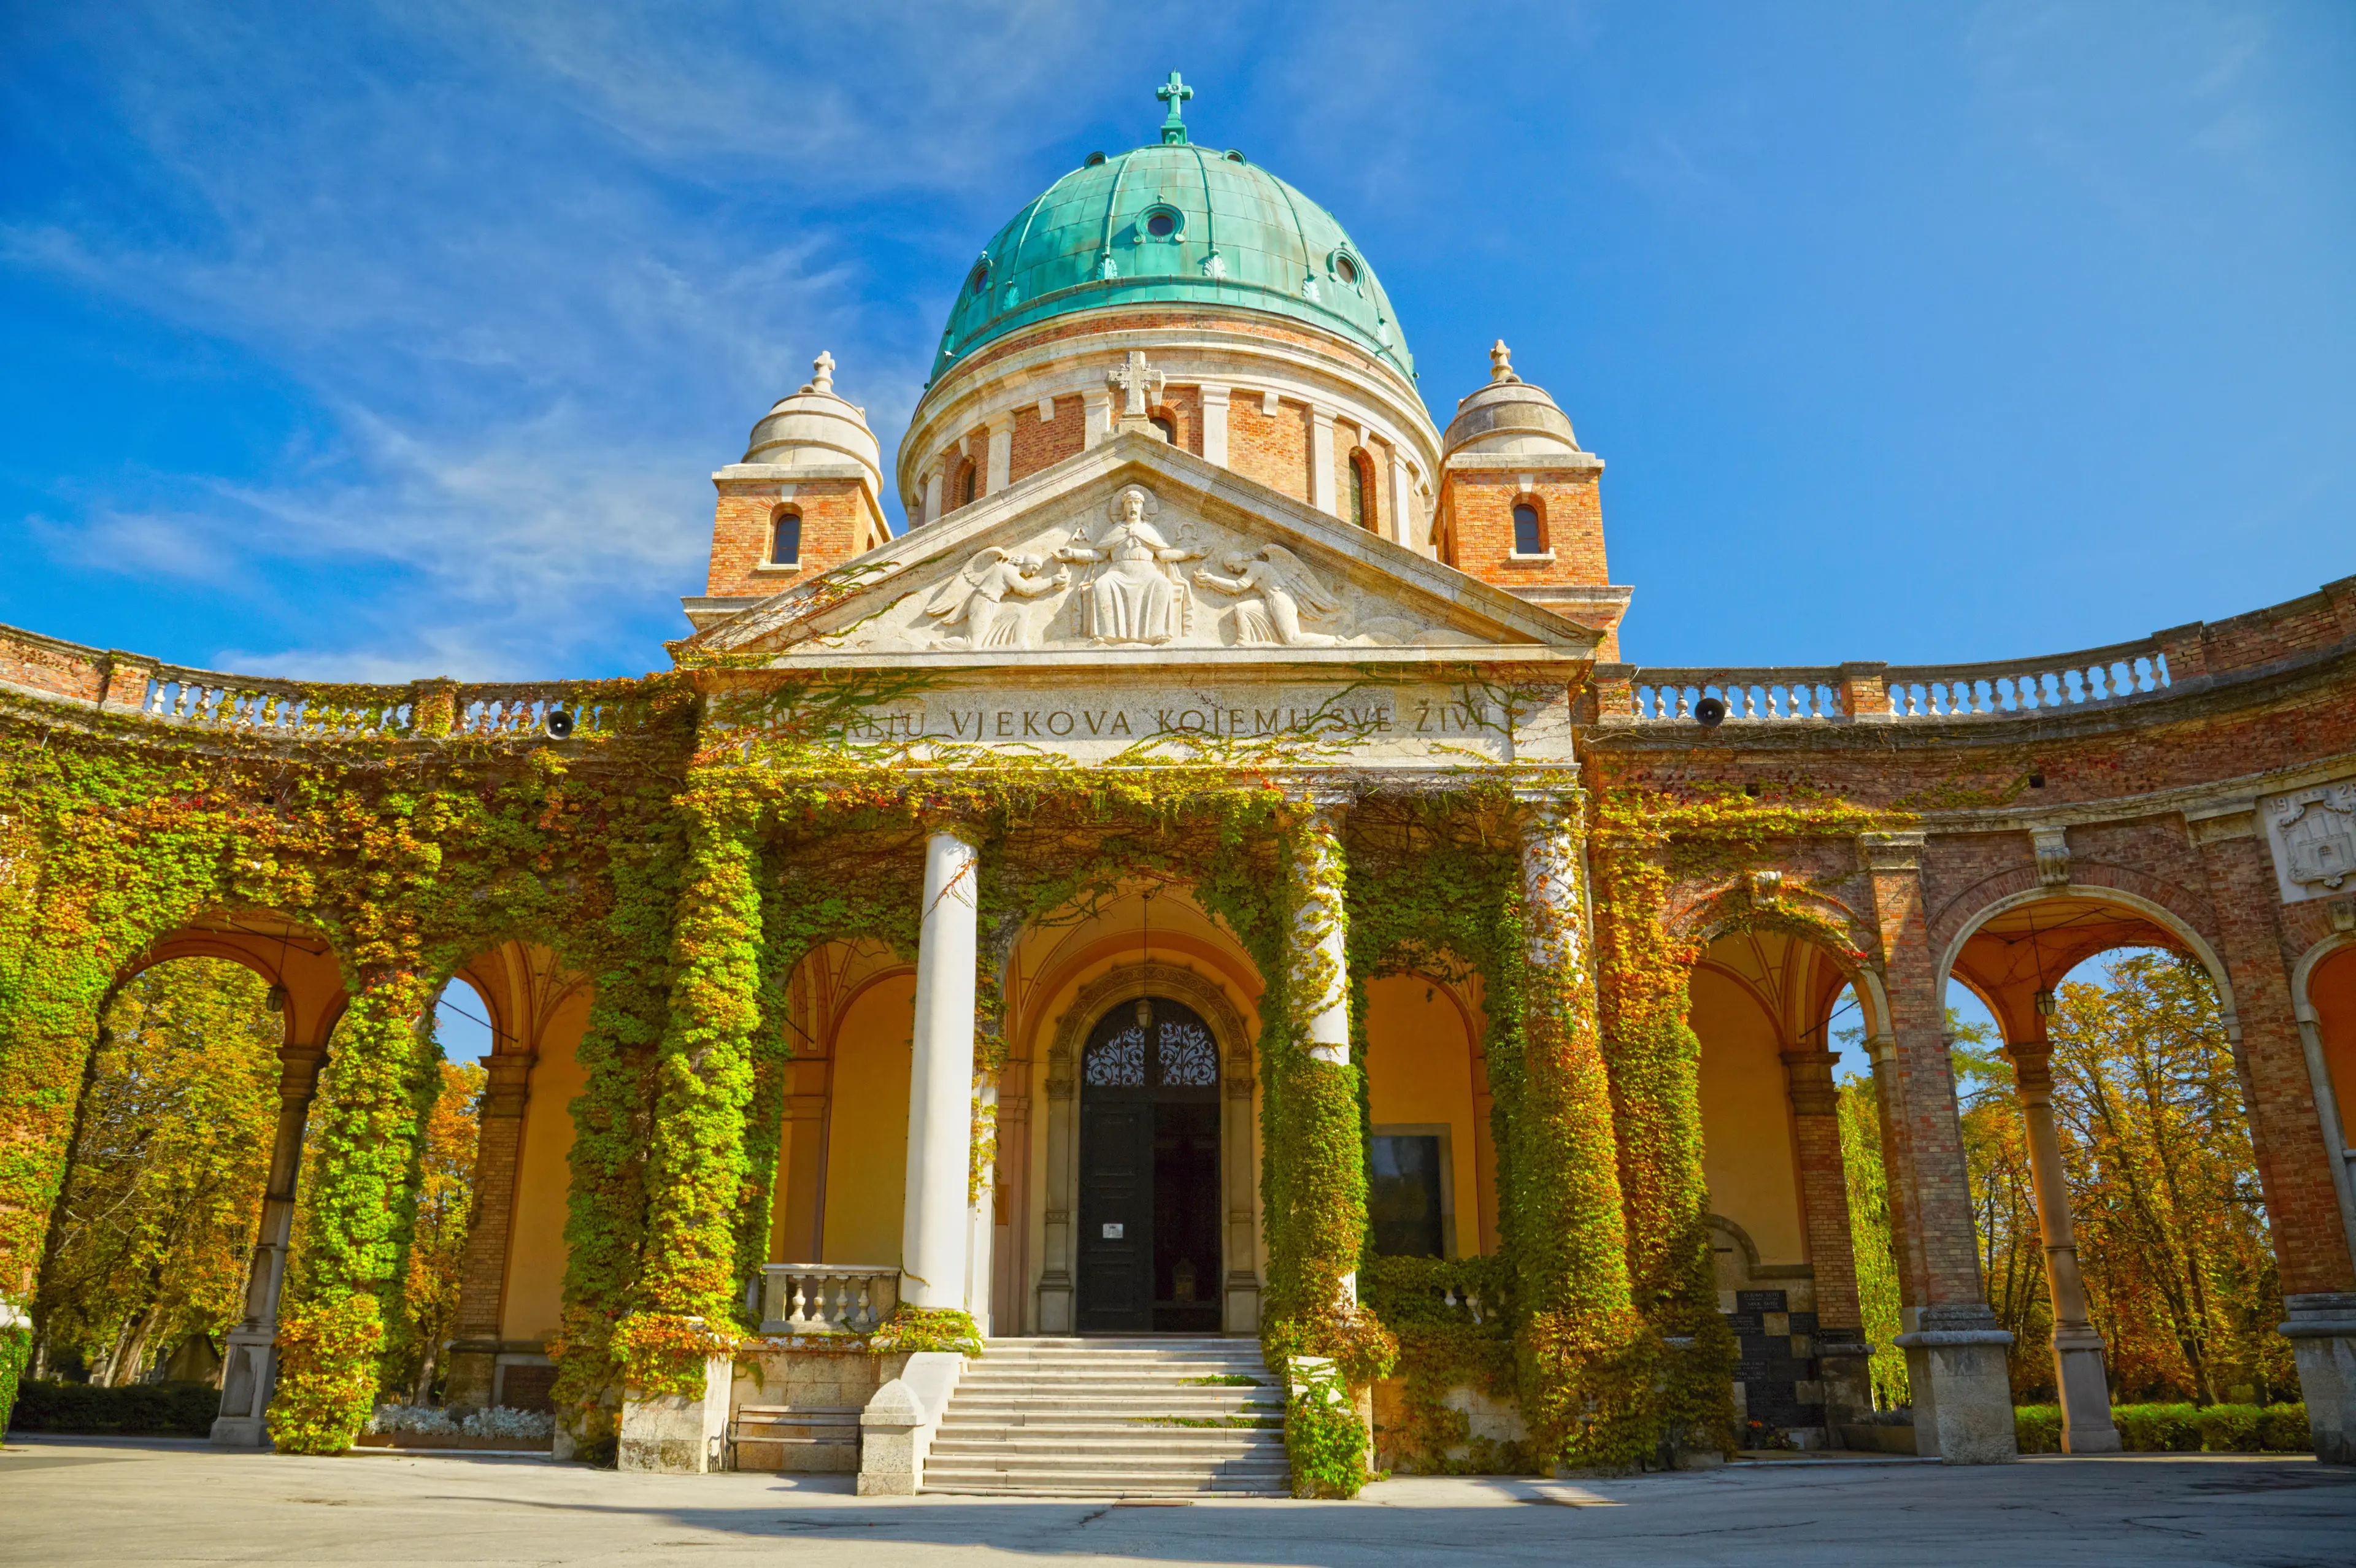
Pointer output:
x,y
66,1501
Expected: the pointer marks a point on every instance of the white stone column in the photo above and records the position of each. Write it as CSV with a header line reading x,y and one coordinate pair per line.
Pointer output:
x,y
1096,406
1406,523
999,472
1320,459
2085,1393
940,1077
1214,425
932,497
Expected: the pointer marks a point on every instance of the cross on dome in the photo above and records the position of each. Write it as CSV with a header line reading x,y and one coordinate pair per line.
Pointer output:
x,y
822,373
1173,93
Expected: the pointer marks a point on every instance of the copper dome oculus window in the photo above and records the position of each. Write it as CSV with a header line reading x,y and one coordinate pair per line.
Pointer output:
x,y
1161,223
980,279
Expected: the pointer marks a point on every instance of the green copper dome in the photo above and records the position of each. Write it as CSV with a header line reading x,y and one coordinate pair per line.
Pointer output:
x,y
1172,222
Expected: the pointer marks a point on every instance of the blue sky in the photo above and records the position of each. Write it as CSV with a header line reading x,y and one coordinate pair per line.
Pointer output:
x,y
371,343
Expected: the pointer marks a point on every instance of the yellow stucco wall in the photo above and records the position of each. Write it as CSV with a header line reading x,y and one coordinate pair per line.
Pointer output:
x,y
1746,1119
535,1286
867,1138
1420,1069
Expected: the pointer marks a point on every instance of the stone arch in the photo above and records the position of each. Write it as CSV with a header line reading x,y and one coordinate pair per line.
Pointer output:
x,y
2332,1091
2157,915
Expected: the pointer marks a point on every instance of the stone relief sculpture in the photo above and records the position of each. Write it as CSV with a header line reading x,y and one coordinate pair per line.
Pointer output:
x,y
2317,830
1280,589
978,598
1133,594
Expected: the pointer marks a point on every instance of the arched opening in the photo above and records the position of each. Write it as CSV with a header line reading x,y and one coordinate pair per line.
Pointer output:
x,y
785,538
144,1267
2330,996
1431,1177
1361,486
867,1123
2114,1175
1784,1247
1529,527
1149,1189
963,491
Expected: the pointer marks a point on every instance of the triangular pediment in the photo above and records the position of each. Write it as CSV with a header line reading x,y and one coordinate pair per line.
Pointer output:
x,y
1136,552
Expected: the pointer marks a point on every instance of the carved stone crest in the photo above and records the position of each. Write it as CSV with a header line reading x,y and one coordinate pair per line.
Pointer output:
x,y
2315,838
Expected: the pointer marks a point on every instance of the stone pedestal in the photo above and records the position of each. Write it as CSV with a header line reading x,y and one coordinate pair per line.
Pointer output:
x,y
1963,1390
895,1429
679,1434
2321,1329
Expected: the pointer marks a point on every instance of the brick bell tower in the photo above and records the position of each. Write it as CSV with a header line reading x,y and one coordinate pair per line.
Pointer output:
x,y
805,497
1518,504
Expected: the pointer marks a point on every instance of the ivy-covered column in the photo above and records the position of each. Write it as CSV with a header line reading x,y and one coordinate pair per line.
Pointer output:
x,y
352,1224
940,1083
1587,1359
1315,1179
1654,1063
249,1356
673,1346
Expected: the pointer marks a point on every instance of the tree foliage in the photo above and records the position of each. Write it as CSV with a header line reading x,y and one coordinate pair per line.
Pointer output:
x,y
154,1229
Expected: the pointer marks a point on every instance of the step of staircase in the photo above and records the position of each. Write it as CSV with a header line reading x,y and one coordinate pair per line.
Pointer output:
x,y
1127,1417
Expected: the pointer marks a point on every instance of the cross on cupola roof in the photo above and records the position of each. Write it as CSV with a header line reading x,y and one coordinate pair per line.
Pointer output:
x,y
1173,93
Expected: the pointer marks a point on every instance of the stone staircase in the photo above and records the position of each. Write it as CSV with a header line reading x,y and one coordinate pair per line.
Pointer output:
x,y
1107,1418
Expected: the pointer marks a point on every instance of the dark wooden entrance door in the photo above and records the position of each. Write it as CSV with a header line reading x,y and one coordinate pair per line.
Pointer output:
x,y
1149,1172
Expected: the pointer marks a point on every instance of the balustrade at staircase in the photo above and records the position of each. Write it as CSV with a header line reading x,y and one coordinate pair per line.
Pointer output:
x,y
1143,1417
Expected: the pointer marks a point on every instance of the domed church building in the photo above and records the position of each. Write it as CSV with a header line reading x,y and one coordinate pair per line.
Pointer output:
x,y
1196,964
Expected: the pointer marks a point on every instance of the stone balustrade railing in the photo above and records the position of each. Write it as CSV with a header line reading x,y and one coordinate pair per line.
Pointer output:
x,y
2000,689
827,1298
1747,693
2008,687
260,705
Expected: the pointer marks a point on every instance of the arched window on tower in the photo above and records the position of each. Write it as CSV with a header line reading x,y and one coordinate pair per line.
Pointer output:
x,y
1529,529
965,481
785,538
1362,509
1168,427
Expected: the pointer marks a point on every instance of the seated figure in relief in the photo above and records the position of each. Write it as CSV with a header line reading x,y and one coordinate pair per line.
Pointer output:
x,y
976,599
1135,595
1283,590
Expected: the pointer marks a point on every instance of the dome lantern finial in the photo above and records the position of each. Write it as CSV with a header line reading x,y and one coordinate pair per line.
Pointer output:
x,y
1501,363
822,373
1173,93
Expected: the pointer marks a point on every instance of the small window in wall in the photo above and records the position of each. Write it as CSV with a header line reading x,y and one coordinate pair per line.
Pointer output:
x,y
1168,427
1529,535
965,483
1405,1207
1361,513
786,539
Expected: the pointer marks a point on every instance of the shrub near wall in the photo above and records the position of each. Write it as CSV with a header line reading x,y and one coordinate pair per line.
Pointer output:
x,y
140,1410
2180,1428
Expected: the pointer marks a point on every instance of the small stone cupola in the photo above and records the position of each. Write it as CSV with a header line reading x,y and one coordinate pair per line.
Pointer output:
x,y
1518,504
805,497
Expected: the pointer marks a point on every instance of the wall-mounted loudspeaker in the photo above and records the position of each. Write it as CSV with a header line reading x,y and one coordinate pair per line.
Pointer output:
x,y
1709,712
558,723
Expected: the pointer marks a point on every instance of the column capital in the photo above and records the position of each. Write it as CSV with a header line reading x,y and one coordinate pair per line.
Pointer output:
x,y
1808,1078
2032,1064
1890,851
508,1088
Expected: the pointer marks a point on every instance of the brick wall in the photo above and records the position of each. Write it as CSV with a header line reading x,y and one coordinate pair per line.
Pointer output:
x,y
1271,449
1036,444
1476,508
836,523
